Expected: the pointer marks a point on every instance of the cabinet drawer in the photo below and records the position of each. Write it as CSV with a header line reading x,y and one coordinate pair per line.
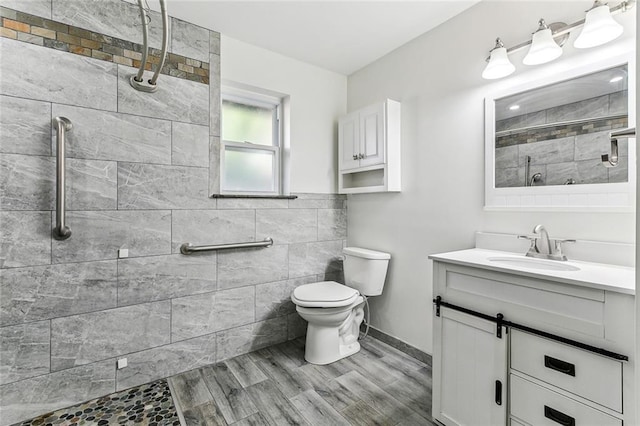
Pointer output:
x,y
537,405
594,377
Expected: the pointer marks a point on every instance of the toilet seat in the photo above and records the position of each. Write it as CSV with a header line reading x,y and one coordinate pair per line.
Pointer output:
x,y
324,294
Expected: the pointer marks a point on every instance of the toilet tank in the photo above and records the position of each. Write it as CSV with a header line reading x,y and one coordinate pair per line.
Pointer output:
x,y
365,270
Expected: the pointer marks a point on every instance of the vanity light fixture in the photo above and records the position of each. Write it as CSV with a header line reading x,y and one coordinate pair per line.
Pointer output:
x,y
543,47
499,64
599,27
546,43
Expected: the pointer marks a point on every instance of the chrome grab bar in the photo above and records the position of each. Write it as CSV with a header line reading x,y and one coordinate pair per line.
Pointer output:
x,y
61,231
137,80
611,160
187,248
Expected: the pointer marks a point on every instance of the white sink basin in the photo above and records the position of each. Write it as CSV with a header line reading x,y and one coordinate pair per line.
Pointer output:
x,y
532,263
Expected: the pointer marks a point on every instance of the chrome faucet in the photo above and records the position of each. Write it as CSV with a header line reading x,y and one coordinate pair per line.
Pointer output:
x,y
543,247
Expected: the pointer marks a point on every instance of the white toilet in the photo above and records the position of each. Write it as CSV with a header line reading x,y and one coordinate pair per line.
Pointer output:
x,y
335,311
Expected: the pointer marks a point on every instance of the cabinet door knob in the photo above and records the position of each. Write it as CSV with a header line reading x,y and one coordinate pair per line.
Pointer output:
x,y
355,157
361,156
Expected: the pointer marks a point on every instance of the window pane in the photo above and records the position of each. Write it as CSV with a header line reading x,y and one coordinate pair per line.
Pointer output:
x,y
248,170
247,123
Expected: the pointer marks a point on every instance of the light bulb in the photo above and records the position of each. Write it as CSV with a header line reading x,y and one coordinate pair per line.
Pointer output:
x,y
499,64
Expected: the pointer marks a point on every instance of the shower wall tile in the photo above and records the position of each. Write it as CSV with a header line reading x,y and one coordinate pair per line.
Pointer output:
x,y
176,99
34,7
592,145
147,279
214,42
86,338
44,292
621,172
202,314
315,258
274,299
25,126
40,73
28,398
509,177
25,238
206,227
153,364
99,234
243,267
619,103
112,136
332,224
214,165
586,171
150,186
251,337
546,152
189,40
594,107
25,351
91,184
252,203
296,326
189,145
506,157
214,95
115,18
286,226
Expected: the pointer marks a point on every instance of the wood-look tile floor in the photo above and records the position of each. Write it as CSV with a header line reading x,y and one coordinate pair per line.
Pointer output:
x,y
275,386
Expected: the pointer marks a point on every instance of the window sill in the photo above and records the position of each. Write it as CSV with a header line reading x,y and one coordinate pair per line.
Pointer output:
x,y
271,197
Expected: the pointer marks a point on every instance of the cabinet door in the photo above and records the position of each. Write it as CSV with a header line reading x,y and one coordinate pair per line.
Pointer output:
x,y
469,371
349,141
372,135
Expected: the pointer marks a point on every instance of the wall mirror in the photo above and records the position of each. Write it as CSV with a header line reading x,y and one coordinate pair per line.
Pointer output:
x,y
544,140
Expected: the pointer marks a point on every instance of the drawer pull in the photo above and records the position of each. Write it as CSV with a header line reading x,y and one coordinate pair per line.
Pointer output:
x,y
559,417
498,392
559,365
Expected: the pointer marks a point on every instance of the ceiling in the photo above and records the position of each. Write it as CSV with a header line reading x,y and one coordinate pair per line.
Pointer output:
x,y
341,36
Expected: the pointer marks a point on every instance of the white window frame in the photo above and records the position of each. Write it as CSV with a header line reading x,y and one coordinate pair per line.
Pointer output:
x,y
262,101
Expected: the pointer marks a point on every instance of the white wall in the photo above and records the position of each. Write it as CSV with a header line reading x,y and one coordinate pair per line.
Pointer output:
x,y
437,79
317,99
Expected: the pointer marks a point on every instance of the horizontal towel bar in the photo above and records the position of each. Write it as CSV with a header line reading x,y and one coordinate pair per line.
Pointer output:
x,y
187,248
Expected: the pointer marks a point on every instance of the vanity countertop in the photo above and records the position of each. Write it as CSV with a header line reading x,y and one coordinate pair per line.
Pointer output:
x,y
620,279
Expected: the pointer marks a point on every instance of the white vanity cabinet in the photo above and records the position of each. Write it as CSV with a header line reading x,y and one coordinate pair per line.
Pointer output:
x,y
369,149
559,354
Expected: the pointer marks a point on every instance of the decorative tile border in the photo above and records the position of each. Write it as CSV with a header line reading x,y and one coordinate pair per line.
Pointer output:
x,y
67,38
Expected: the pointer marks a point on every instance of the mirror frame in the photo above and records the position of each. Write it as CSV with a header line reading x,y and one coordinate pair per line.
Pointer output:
x,y
619,197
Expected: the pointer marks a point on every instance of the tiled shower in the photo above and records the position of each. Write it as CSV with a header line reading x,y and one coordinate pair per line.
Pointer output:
x,y
138,174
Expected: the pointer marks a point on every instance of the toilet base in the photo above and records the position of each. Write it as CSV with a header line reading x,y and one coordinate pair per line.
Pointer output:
x,y
323,345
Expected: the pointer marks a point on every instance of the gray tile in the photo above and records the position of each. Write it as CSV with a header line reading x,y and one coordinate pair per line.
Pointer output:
x,y
214,42
291,381
106,135
207,414
114,18
202,314
252,203
317,203
620,173
587,171
214,165
25,126
250,337
25,239
28,398
506,157
535,168
322,381
274,299
547,152
253,420
28,183
25,351
99,235
205,227
43,292
296,326
316,410
594,107
146,279
189,40
314,258
242,267
619,103
508,178
414,392
190,389
85,338
27,72
245,370
176,99
232,399
150,186
214,95
286,226
592,145
363,414
165,361
34,7
189,145
332,224
274,405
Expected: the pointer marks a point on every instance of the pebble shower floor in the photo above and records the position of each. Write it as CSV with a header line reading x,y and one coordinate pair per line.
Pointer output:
x,y
146,405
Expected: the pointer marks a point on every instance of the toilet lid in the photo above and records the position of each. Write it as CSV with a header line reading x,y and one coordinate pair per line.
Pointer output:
x,y
325,294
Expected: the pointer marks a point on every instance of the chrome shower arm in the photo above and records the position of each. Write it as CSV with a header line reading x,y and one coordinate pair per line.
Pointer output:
x,y
145,42
137,80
